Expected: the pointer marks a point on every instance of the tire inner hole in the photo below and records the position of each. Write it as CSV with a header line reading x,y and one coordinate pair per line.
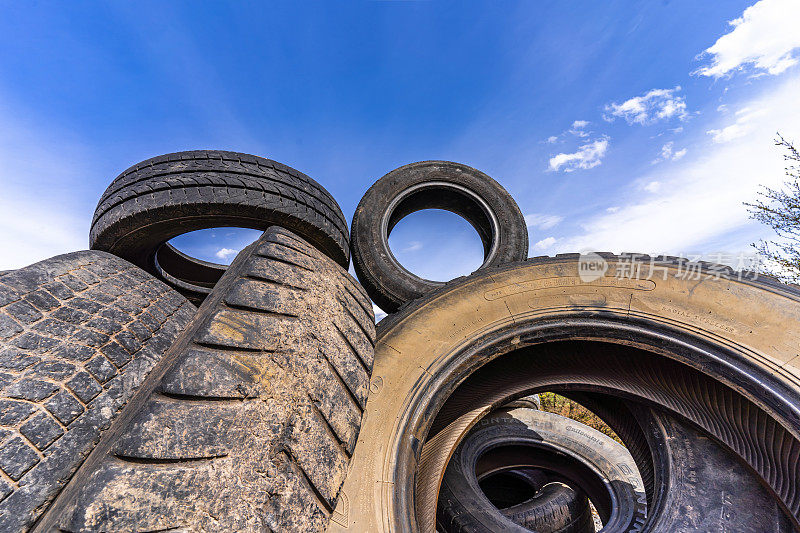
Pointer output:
x,y
506,489
436,245
200,257
534,467
215,245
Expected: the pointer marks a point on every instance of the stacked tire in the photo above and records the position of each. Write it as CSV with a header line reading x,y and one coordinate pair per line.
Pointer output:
x,y
277,405
126,408
166,196
693,365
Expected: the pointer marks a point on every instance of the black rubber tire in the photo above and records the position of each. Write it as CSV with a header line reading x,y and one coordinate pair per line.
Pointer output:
x,y
508,488
528,402
556,508
160,198
467,192
692,482
704,487
78,334
250,421
685,493
525,438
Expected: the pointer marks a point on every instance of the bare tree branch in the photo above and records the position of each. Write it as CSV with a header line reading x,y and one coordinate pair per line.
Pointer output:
x,y
780,210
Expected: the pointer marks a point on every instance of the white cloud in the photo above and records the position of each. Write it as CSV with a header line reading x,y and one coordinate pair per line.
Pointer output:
x,y
700,199
653,187
578,128
413,246
668,153
653,106
542,221
225,253
764,39
745,122
588,156
612,209
545,243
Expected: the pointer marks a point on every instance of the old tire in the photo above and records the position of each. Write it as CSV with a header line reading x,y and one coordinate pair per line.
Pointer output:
x,y
250,421
556,508
160,198
693,483
524,439
78,334
465,191
713,493
719,352
528,402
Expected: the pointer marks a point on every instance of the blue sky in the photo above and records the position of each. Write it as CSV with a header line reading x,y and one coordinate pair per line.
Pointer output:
x,y
619,126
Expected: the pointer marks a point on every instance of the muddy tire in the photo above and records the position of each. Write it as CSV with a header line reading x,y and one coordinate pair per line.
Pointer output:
x,y
715,349
160,198
249,422
467,192
523,439
79,333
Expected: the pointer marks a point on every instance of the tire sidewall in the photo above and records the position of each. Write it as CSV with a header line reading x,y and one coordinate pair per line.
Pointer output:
x,y
422,353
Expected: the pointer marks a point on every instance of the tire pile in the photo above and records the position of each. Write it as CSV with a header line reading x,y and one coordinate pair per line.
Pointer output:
x,y
142,389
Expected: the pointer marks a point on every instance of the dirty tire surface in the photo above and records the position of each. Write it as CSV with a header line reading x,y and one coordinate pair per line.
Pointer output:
x,y
168,195
78,334
250,423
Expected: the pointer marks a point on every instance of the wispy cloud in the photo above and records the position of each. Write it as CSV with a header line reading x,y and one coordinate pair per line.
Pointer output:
x,y
578,128
653,106
31,230
699,199
413,246
652,187
668,153
542,221
587,156
545,243
765,39
746,120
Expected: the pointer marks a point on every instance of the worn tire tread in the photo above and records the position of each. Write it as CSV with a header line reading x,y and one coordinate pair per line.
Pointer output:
x,y
256,412
78,333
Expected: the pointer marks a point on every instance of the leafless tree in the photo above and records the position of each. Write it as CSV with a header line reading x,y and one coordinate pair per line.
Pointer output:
x,y
780,209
